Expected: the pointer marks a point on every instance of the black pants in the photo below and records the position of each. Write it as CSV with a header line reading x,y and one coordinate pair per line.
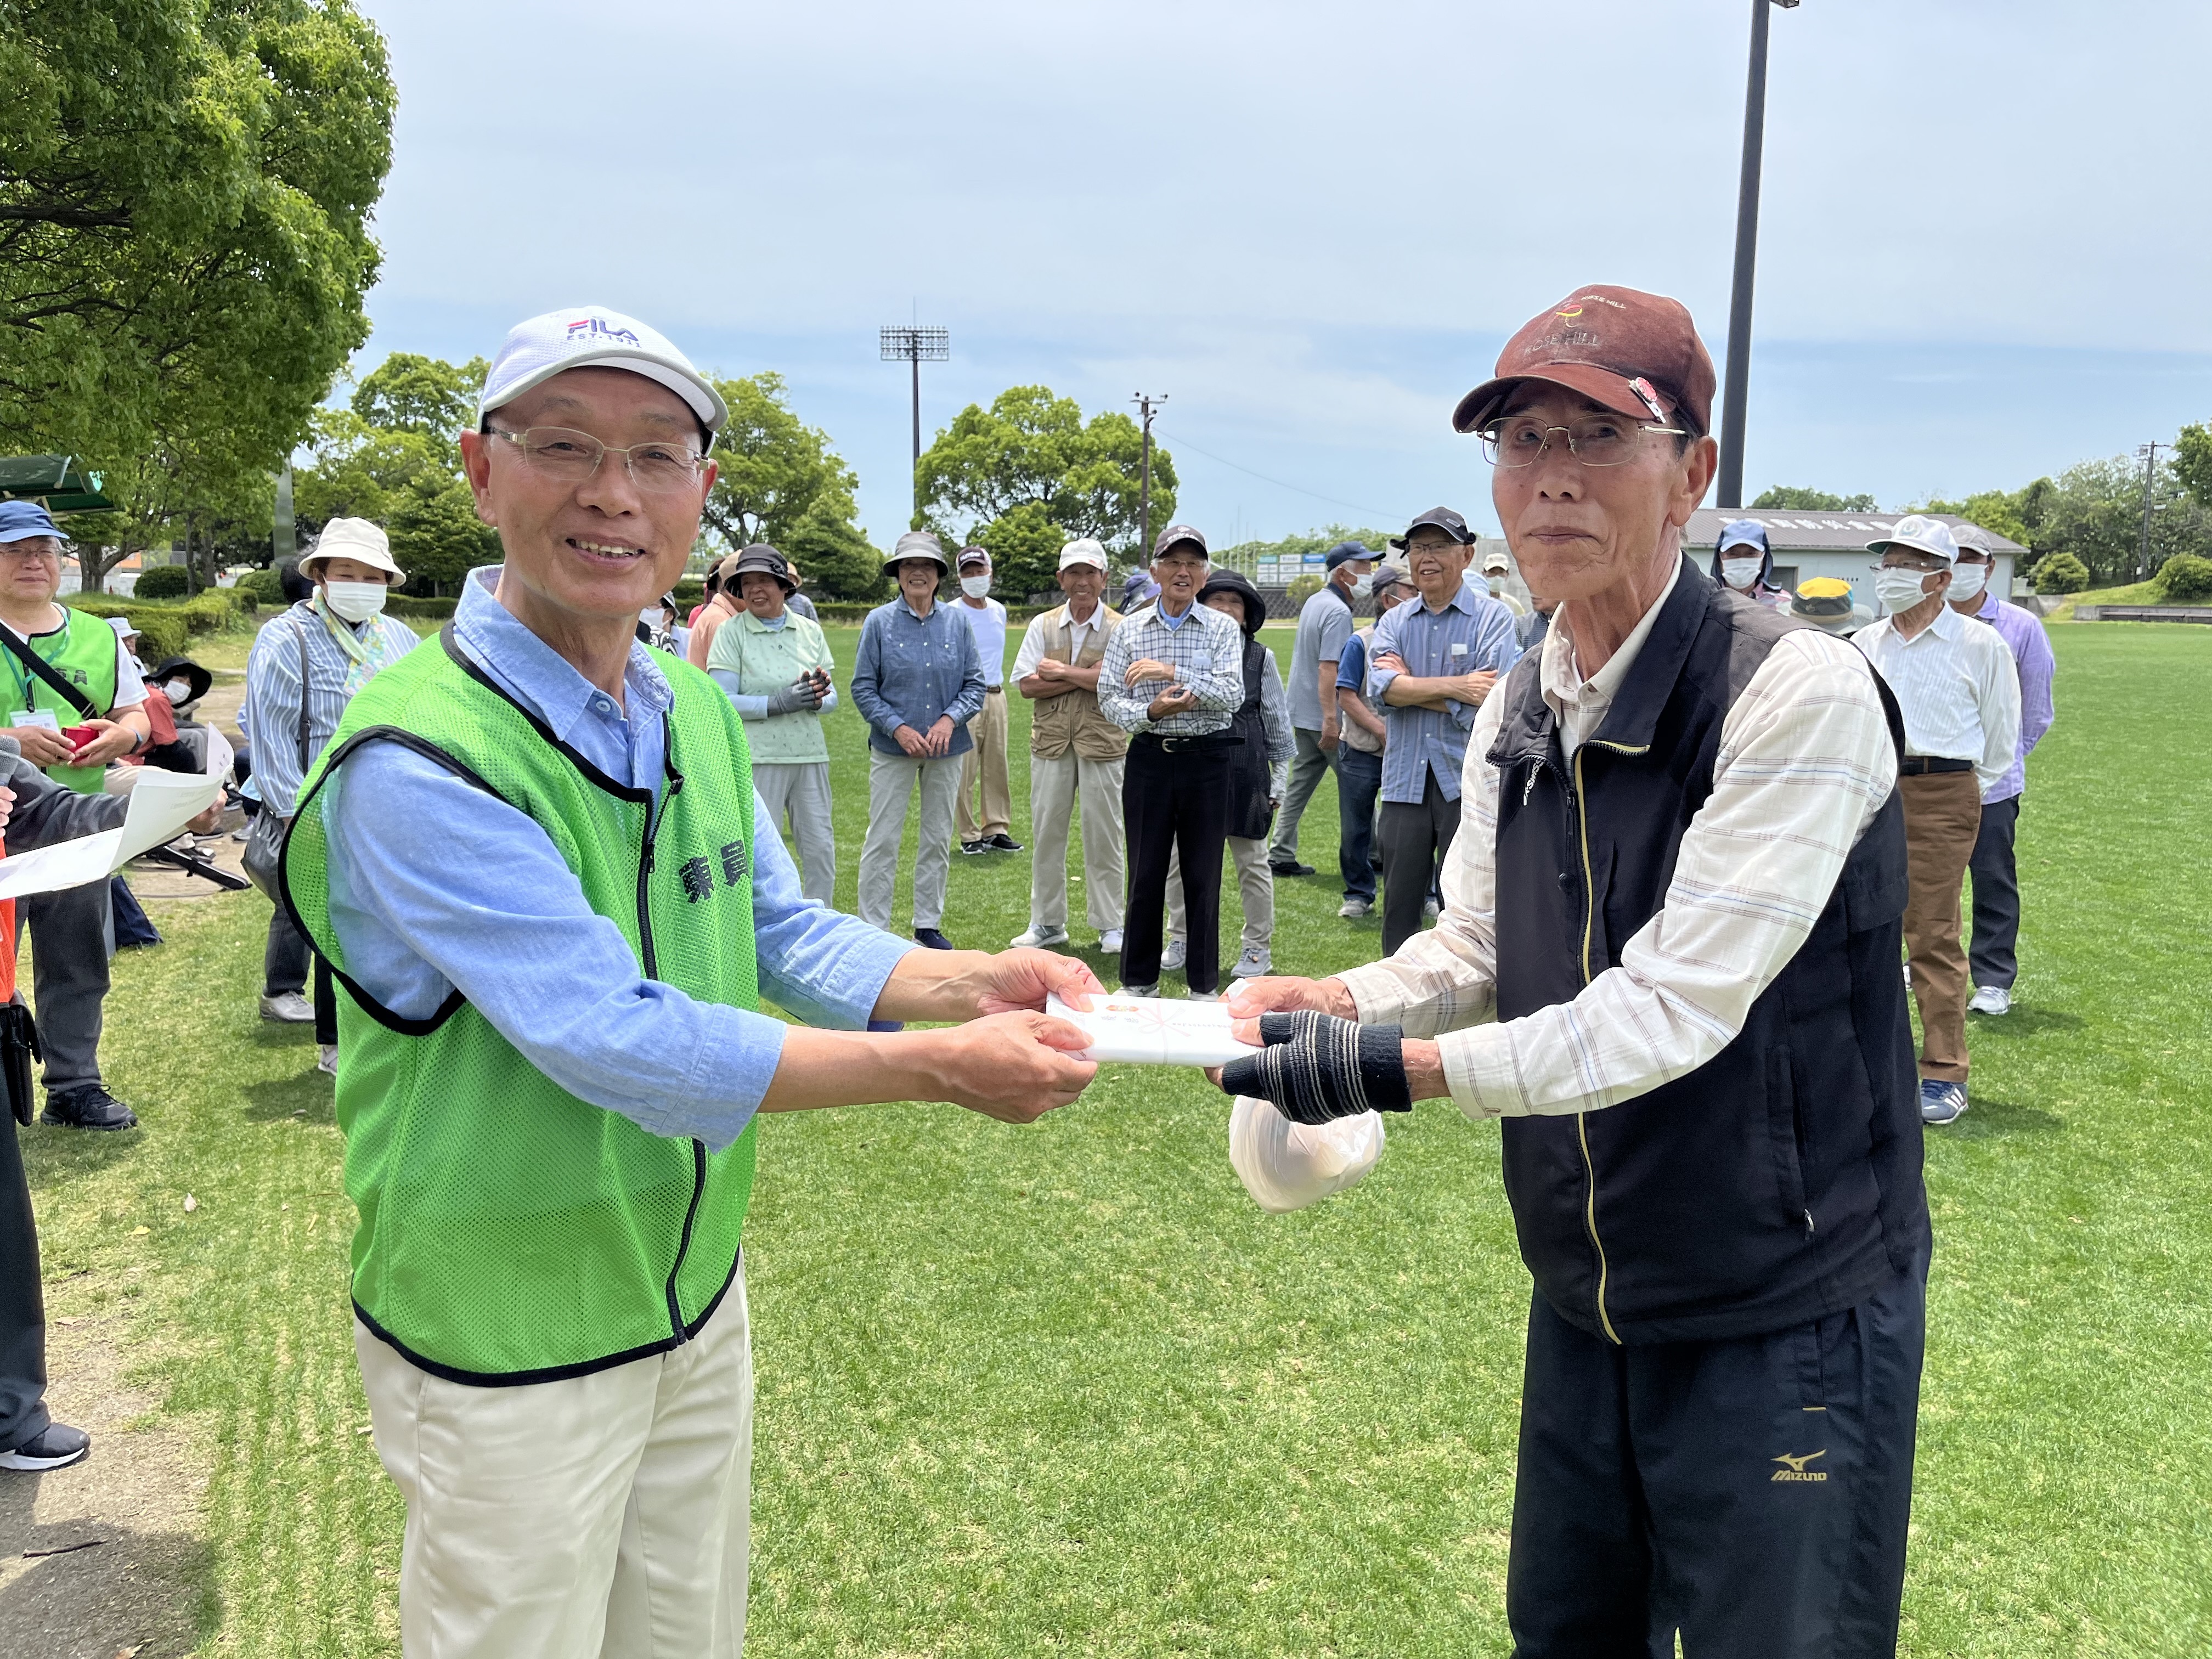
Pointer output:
x,y
1177,802
22,1309
1993,956
284,968
1358,780
72,936
1416,837
1752,1493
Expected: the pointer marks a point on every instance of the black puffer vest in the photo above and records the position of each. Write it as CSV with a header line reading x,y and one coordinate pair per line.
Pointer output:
x,y
1780,1181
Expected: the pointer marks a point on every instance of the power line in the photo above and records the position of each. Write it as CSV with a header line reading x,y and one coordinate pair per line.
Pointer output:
x,y
1385,514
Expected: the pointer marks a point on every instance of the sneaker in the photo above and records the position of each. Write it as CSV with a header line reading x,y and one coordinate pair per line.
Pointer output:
x,y
1353,909
932,938
288,1008
1291,868
1252,963
326,1059
1990,1000
54,1447
1430,908
1172,958
1908,976
1002,843
1206,996
1038,936
89,1106
972,847
1109,942
1942,1102
1141,990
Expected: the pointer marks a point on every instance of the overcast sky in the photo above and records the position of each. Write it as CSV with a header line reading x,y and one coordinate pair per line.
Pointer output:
x,y
1984,244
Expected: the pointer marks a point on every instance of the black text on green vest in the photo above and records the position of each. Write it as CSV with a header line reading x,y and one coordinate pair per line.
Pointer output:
x,y
83,651
511,1232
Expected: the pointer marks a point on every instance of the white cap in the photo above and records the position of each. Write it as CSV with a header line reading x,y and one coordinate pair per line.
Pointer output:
x,y
1495,560
123,628
1083,549
1922,534
353,538
592,336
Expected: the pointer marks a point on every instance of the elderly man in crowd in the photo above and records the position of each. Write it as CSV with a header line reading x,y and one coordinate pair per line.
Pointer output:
x,y
1174,676
1993,959
1743,563
1324,624
1075,752
1955,680
1359,756
1679,890
983,775
535,857
1497,567
917,682
1431,663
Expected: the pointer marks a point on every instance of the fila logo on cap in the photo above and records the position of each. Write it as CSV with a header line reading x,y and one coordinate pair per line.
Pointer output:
x,y
591,327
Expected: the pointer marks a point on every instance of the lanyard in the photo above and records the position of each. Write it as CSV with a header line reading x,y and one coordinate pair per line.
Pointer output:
x,y
29,700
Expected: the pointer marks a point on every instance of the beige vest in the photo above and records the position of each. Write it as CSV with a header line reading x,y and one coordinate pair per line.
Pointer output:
x,y
1072,720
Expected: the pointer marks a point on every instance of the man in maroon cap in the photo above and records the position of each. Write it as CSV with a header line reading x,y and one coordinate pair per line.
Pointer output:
x,y
1668,961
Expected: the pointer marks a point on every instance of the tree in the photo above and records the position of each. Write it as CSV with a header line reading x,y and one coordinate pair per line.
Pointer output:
x,y
436,537
426,397
1314,541
1030,473
1790,497
2192,462
781,483
1994,510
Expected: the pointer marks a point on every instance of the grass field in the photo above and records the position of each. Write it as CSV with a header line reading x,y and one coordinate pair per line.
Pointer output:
x,y
1065,1390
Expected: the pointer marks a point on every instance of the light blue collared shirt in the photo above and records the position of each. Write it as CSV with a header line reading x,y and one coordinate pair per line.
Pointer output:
x,y
437,886
1471,632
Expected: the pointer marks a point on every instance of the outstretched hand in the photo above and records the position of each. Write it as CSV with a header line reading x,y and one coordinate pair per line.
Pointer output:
x,y
1015,1066
1274,994
1015,980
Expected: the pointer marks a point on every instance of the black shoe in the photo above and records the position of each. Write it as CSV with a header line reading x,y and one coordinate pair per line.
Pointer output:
x,y
87,1107
972,847
932,938
54,1447
1293,868
1002,843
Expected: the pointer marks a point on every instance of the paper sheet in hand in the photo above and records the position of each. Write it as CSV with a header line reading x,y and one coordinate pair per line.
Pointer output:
x,y
1154,1032
162,803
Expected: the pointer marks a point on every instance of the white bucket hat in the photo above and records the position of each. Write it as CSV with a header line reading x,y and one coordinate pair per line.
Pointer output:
x,y
1921,534
353,538
592,336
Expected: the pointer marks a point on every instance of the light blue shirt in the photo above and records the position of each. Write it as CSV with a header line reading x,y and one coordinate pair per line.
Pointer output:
x,y
912,670
437,886
1471,632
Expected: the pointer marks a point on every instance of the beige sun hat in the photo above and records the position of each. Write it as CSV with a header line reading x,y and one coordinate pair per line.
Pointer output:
x,y
353,538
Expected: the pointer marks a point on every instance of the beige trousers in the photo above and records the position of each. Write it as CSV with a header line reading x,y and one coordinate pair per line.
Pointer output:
x,y
1255,885
603,1517
1942,817
892,782
800,794
1055,786
986,763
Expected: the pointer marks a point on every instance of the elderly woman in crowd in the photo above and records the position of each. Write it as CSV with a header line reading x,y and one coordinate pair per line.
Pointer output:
x,y
775,664
307,664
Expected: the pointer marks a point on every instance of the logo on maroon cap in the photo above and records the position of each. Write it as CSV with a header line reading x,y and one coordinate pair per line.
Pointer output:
x,y
1629,350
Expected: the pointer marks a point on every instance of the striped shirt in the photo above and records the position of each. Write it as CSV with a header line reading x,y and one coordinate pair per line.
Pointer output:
x,y
1805,761
1471,632
272,693
1206,648
2022,631
1956,686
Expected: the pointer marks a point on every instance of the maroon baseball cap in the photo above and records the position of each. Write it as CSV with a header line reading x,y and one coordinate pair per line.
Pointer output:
x,y
1632,351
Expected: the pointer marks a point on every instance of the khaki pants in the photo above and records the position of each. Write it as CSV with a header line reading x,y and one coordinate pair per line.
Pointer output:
x,y
987,761
1942,816
603,1517
1054,785
1255,886
891,780
800,794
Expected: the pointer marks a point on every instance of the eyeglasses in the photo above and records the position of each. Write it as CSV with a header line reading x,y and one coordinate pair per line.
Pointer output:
x,y
560,452
1934,566
26,554
1597,441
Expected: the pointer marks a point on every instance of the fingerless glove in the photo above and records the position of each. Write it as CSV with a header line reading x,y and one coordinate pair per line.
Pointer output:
x,y
1316,1067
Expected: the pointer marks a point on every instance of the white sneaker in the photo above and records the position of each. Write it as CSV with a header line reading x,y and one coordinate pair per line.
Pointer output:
x,y
1430,908
1141,990
288,1008
1353,909
326,1058
1990,1000
1173,958
1206,996
1109,942
1252,963
1039,936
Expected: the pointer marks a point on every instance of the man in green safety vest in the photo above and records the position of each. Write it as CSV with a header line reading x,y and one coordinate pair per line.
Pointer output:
x,y
534,858
74,704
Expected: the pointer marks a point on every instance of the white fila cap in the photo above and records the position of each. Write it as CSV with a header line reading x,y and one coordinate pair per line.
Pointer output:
x,y
592,336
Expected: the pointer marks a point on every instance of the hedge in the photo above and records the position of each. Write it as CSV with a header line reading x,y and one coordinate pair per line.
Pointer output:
x,y
166,625
2061,573
165,581
2185,579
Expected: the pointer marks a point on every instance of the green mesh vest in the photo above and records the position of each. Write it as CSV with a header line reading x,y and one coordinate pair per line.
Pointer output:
x,y
83,651
511,1232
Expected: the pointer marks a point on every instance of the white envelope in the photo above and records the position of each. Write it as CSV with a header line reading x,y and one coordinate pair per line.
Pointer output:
x,y
1154,1030
161,803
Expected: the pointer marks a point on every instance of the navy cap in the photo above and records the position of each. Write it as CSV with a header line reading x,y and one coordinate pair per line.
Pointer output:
x,y
1182,533
1345,552
20,520
1440,518
1742,532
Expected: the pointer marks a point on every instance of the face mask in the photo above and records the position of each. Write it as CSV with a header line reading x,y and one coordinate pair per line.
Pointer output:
x,y
1967,581
1498,584
178,692
1898,590
355,601
1741,573
1363,586
975,587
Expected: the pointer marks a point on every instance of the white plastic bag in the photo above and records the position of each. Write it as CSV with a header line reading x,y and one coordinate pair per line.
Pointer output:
x,y
1286,1166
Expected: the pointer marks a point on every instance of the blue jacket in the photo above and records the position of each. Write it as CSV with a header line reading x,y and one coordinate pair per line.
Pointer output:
x,y
912,670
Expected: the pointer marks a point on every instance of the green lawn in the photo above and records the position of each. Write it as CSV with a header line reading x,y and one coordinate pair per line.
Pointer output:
x,y
1065,1390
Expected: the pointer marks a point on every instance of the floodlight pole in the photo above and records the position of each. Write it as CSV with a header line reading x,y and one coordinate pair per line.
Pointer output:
x,y
912,343
2150,452
1147,404
1737,387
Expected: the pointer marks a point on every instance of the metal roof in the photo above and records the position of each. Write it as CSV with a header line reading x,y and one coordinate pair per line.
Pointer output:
x,y
1818,532
54,480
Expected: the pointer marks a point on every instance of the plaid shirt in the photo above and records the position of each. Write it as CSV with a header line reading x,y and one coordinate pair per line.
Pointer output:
x,y
1205,650
1471,632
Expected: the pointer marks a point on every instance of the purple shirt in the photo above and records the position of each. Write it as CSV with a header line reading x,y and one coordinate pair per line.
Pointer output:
x,y
2022,632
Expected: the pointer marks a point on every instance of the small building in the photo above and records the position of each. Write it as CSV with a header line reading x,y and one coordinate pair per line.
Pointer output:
x,y
1809,544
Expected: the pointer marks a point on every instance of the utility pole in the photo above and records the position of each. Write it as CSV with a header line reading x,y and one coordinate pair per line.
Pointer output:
x,y
910,344
1146,404
1737,387
2150,452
